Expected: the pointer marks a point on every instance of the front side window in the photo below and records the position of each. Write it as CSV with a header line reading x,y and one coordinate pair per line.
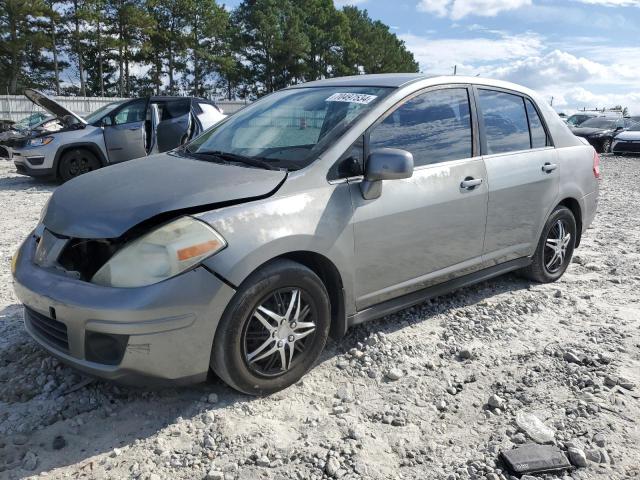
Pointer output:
x,y
505,122
287,129
434,126
131,113
538,133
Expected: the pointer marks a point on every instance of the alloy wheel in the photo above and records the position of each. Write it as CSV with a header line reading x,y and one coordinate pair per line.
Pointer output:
x,y
556,245
278,331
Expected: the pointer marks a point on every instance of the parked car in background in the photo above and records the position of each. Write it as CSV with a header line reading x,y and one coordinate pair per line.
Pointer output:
x,y
599,131
315,208
15,131
114,133
5,124
578,118
627,141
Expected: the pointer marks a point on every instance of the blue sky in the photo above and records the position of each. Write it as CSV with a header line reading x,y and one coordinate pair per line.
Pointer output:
x,y
584,53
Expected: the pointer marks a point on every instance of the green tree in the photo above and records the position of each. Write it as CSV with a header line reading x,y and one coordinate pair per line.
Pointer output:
x,y
127,22
207,27
23,41
272,43
327,30
372,48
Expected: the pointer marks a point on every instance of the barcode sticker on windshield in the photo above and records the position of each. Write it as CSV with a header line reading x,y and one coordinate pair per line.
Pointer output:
x,y
352,98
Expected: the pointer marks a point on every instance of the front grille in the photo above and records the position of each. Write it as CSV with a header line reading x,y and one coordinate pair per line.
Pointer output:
x,y
48,330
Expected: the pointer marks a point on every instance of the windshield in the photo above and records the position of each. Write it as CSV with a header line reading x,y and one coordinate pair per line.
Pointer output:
x,y
287,129
599,123
635,127
102,111
29,121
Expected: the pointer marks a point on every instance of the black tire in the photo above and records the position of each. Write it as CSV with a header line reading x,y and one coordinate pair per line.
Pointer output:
x,y
540,269
77,162
605,146
240,334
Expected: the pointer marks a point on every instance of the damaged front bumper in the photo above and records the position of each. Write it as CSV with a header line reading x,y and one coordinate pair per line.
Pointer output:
x,y
162,333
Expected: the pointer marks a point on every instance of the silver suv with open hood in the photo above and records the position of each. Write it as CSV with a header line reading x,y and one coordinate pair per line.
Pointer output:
x,y
114,133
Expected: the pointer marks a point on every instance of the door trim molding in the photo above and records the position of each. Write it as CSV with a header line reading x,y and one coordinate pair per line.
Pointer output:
x,y
399,303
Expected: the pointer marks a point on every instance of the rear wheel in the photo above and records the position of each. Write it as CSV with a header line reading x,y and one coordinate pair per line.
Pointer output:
x,y
273,330
555,247
76,162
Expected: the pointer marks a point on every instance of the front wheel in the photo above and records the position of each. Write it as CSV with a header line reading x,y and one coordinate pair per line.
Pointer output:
x,y
77,162
606,146
555,247
273,330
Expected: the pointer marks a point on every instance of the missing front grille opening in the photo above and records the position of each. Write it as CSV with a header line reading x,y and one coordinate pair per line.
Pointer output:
x,y
85,257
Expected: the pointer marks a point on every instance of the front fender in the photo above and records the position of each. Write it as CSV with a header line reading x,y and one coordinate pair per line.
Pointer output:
x,y
317,220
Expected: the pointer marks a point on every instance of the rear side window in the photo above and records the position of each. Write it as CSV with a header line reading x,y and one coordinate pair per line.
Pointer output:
x,y
538,133
505,122
174,108
434,126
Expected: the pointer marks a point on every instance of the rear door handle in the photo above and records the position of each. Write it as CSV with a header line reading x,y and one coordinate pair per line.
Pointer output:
x,y
549,167
470,183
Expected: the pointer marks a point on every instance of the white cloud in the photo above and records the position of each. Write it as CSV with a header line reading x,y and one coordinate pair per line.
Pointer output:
x,y
612,3
571,98
439,55
342,3
555,67
457,9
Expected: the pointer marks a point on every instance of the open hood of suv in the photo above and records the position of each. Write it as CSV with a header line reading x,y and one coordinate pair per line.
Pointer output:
x,y
50,105
110,201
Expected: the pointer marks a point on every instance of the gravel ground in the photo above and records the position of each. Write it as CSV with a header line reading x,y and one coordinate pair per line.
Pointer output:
x,y
435,391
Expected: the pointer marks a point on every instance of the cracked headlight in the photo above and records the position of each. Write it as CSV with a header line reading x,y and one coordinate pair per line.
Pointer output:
x,y
160,254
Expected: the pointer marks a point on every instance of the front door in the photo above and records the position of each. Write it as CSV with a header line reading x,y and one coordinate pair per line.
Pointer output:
x,y
125,132
523,174
428,228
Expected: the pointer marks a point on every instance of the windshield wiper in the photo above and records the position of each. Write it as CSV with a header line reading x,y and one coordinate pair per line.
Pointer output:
x,y
234,157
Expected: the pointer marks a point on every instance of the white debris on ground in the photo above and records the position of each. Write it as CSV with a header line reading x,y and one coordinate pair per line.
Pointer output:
x,y
435,391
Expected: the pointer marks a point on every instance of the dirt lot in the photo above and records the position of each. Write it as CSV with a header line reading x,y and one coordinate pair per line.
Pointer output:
x,y
431,392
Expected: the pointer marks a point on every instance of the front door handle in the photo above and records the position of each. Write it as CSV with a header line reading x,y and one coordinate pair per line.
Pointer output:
x,y
549,167
470,183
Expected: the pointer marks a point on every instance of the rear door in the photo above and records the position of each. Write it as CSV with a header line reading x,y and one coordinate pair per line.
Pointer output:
x,y
522,170
428,228
125,133
175,122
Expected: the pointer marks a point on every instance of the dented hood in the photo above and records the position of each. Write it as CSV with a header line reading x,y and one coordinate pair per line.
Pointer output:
x,y
108,202
50,105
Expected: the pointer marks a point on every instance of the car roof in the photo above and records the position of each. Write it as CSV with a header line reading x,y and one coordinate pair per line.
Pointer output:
x,y
371,80
400,80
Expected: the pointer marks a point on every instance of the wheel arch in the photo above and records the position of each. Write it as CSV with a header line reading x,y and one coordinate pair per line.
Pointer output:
x,y
573,205
332,280
92,147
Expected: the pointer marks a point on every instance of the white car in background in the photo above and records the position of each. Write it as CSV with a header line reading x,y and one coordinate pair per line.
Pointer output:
x,y
115,133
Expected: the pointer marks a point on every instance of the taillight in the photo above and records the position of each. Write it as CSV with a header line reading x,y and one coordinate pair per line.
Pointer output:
x,y
596,165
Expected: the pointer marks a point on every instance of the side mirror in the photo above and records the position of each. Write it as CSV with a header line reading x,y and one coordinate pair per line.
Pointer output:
x,y
385,164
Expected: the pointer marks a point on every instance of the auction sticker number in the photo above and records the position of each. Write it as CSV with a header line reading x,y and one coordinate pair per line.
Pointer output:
x,y
352,98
